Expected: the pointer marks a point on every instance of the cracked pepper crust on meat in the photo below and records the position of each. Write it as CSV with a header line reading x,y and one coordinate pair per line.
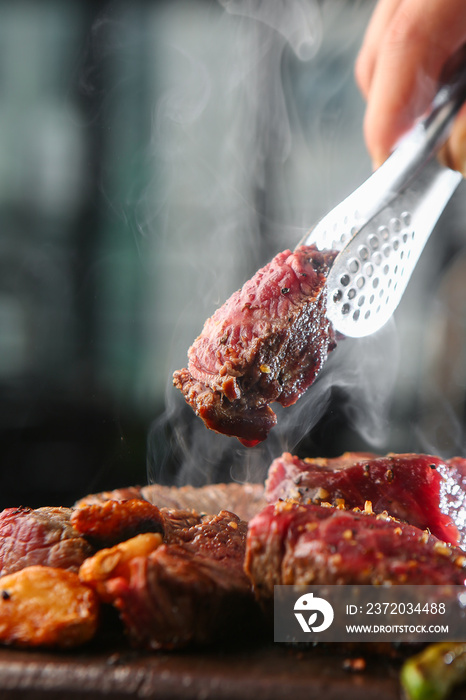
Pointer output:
x,y
267,343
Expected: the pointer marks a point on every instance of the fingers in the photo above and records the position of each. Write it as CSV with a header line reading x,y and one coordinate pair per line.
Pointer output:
x,y
454,152
367,58
407,44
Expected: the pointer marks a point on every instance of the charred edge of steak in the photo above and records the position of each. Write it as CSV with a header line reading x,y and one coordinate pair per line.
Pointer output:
x,y
250,425
105,524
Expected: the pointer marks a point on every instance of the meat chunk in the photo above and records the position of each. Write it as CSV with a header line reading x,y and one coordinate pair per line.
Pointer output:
x,y
267,343
191,590
44,536
105,524
289,543
423,490
41,606
245,500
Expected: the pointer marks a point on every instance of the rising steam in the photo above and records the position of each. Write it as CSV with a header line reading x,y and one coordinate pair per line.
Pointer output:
x,y
257,140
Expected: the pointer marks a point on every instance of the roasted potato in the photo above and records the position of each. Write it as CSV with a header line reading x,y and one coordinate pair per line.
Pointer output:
x,y
113,562
41,606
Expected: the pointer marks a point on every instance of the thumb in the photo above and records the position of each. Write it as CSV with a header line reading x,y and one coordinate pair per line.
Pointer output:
x,y
453,153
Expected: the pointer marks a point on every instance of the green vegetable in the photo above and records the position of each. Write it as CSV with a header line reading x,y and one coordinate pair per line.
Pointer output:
x,y
432,674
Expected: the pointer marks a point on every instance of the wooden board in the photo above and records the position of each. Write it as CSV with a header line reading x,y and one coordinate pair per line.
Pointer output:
x,y
257,673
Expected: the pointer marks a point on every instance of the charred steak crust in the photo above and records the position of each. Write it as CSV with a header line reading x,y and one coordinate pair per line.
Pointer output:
x,y
267,343
105,524
289,543
423,490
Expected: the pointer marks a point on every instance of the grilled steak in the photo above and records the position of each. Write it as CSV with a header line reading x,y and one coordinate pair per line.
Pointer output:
x,y
190,591
267,343
289,543
42,536
421,489
245,500
105,524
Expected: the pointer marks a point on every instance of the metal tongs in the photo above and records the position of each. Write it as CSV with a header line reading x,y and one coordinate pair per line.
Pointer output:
x,y
383,226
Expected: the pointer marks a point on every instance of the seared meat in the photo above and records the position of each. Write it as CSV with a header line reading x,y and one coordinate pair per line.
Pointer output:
x,y
267,343
289,543
107,523
43,536
243,499
421,489
192,590
174,598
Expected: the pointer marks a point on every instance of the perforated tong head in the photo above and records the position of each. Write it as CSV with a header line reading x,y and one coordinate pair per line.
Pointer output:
x,y
383,226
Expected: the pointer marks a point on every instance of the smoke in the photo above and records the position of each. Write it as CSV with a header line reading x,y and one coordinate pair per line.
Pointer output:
x,y
236,225
181,448
299,23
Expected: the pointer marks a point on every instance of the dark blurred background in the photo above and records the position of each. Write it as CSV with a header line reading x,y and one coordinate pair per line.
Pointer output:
x,y
152,156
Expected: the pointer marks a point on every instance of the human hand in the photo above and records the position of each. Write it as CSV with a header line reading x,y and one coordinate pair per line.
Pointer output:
x,y
408,47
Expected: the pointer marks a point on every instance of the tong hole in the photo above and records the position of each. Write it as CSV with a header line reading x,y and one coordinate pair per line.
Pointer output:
x,y
406,218
345,280
363,252
386,269
377,258
356,315
345,309
371,300
360,282
353,265
361,300
395,225
375,282
369,270
367,314
351,293
396,244
383,232
373,242
338,295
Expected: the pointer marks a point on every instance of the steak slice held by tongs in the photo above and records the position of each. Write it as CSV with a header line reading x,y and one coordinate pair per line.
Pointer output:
x,y
266,344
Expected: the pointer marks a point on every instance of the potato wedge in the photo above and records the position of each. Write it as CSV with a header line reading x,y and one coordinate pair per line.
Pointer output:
x,y
41,606
113,562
